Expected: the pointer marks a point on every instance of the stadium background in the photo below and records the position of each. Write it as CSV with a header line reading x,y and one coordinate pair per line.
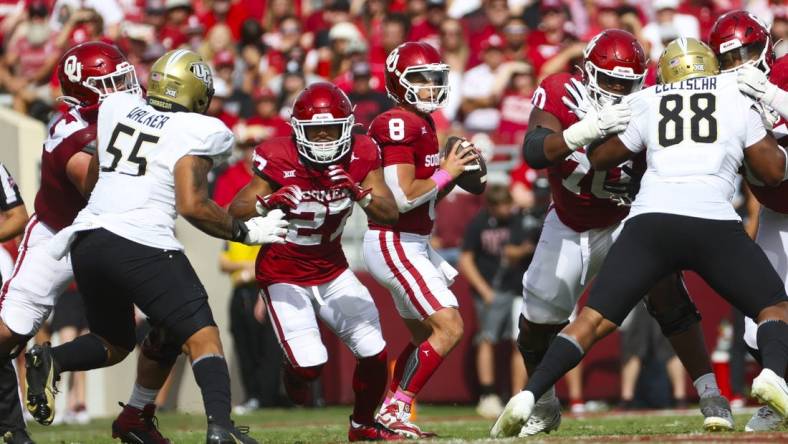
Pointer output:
x,y
340,40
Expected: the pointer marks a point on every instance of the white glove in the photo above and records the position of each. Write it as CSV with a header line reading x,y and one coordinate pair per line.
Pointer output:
x,y
769,116
580,103
753,82
611,119
270,229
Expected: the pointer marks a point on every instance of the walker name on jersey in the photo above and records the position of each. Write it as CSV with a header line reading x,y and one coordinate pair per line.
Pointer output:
x,y
147,118
696,84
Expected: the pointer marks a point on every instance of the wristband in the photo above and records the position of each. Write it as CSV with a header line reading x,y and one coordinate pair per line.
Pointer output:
x,y
441,178
240,230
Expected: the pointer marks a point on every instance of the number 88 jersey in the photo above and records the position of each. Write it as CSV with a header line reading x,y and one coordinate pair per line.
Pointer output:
x,y
313,252
579,198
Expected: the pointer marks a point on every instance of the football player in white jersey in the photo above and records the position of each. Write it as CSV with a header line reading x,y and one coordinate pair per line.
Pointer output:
x,y
743,45
682,218
153,159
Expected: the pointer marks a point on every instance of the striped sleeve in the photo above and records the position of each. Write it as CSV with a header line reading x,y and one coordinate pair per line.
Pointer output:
x,y
9,191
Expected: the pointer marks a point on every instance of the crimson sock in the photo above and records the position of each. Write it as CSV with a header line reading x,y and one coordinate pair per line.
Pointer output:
x,y
399,367
420,366
369,383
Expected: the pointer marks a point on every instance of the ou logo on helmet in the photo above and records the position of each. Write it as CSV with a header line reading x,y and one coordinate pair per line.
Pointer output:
x,y
73,69
392,59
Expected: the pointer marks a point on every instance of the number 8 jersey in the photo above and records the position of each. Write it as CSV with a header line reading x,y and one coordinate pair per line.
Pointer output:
x,y
579,199
313,252
138,147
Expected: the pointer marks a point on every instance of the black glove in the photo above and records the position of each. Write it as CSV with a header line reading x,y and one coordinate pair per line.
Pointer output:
x,y
624,190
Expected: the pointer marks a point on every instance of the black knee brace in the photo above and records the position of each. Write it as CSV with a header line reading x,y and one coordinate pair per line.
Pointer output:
x,y
674,311
161,347
534,339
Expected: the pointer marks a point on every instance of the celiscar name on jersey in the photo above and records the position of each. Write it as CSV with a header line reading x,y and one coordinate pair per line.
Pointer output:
x,y
695,132
138,147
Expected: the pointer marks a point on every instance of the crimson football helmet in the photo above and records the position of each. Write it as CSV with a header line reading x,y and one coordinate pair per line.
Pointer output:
x,y
322,121
90,71
413,67
738,37
614,65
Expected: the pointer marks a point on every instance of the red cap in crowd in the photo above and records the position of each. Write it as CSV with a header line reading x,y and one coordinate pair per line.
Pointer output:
x,y
494,41
263,93
551,5
223,59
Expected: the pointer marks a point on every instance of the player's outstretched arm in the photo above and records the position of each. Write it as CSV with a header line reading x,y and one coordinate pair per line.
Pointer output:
x,y
382,208
767,160
243,204
544,144
82,171
193,203
753,82
609,154
410,192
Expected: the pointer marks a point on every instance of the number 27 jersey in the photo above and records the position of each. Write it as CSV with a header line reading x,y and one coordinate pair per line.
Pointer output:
x,y
313,252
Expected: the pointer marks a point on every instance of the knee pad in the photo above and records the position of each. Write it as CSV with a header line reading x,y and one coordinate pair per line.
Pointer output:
x,y
161,347
678,316
534,339
306,373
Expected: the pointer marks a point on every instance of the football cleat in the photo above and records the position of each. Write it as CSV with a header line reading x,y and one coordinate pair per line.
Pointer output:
x,y
514,416
770,389
41,379
717,414
374,432
396,417
135,426
490,406
17,437
764,420
218,434
545,418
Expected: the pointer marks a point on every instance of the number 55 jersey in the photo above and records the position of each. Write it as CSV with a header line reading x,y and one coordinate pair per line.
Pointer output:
x,y
313,252
138,147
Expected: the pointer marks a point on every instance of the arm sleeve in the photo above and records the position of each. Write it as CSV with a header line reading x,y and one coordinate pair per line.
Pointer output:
x,y
9,191
754,125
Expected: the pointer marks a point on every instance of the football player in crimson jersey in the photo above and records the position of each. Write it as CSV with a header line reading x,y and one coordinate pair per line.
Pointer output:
x,y
586,218
317,176
742,43
399,256
87,73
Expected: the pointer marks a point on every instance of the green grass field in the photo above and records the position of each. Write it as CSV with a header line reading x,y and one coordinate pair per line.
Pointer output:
x,y
453,424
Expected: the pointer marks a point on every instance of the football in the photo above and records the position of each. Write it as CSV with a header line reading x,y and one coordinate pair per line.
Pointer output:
x,y
474,180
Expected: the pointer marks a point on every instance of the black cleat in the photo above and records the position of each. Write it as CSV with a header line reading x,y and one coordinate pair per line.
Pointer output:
x,y
218,434
41,379
17,437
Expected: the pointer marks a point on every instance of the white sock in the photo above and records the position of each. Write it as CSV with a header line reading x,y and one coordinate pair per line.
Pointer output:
x,y
706,386
141,396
